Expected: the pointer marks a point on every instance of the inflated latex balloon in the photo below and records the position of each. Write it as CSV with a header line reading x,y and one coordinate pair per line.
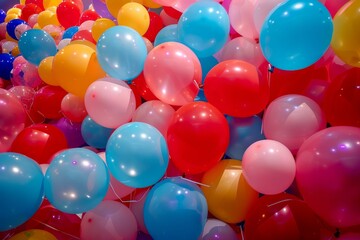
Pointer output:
x,y
6,65
45,71
72,132
167,34
100,7
68,14
156,24
73,108
37,234
94,134
241,18
137,208
135,16
216,229
114,5
100,26
262,10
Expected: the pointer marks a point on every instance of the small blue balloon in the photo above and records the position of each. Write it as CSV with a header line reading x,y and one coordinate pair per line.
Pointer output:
x,y
70,32
2,15
6,65
167,34
204,27
36,44
175,209
11,25
296,34
207,63
243,133
76,180
137,154
121,52
21,189
94,134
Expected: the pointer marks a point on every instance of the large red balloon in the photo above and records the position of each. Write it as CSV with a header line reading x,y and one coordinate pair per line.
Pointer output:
x,y
68,14
197,137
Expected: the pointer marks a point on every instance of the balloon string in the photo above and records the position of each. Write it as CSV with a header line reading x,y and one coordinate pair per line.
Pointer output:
x,y
192,181
8,236
51,227
127,201
242,233
285,200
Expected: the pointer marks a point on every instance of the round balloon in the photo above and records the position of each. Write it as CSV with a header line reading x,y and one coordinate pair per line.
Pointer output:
x,y
6,65
94,134
135,16
216,229
37,234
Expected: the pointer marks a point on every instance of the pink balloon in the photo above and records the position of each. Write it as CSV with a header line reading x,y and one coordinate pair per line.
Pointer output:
x,y
216,229
25,74
242,48
73,108
261,11
328,165
173,73
8,46
33,19
334,5
291,119
155,113
110,102
55,31
20,29
182,5
268,166
109,220
25,94
241,18
137,207
12,119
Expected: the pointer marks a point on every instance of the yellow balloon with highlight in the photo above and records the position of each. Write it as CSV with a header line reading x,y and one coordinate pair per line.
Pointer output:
x,y
51,3
346,36
10,17
227,193
114,5
33,234
135,16
14,10
100,26
47,18
75,67
45,71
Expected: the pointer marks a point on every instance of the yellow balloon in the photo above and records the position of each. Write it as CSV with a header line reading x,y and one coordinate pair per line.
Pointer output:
x,y
75,67
100,26
52,9
151,4
134,15
346,36
15,52
22,1
10,17
45,71
227,193
16,11
36,26
114,5
51,3
34,234
47,18
84,42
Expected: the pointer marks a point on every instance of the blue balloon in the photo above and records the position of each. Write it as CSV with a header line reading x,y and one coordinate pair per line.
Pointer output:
x,y
76,180
2,15
167,34
137,154
207,63
204,27
121,52
296,34
243,133
6,65
200,96
70,32
36,44
175,209
94,134
21,189
11,25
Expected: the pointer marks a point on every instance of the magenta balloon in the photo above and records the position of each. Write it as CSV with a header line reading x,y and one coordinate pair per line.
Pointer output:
x,y
334,5
268,166
291,119
137,208
328,166
215,229
109,220
241,18
12,118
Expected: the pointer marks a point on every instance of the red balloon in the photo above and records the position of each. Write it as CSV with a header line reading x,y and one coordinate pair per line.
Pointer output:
x,y
88,15
39,3
136,94
235,88
47,101
342,99
68,14
143,89
39,142
281,217
28,10
83,35
198,137
172,12
156,24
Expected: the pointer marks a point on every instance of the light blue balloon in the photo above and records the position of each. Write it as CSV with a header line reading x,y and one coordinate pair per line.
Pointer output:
x,y
21,189
76,180
167,34
137,154
121,52
204,27
70,32
296,34
94,134
36,44
243,133
175,209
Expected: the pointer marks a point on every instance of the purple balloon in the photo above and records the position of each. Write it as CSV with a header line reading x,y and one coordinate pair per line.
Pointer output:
x,y
72,132
101,9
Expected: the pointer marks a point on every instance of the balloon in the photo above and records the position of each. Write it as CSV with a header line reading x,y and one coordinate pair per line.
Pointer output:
x,y
88,15
228,195
122,52
281,217
6,65
261,9
334,5
109,220
197,137
36,44
39,3
296,34
156,24
10,27
269,166
29,10
75,67
47,17
101,8
167,34
135,16
37,234
167,19
110,102
2,15
207,64
115,5
100,26
68,14
70,32
73,108
12,119
72,132
25,94
45,71
241,18
175,209
94,134
325,169
236,89
243,133
51,3
204,27
291,119
21,178
130,166
215,229
137,208
171,84
25,74
76,180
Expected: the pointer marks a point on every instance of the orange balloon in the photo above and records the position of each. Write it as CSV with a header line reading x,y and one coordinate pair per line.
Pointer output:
x,y
227,193
47,17
134,15
151,4
45,71
75,67
33,234
114,5
100,26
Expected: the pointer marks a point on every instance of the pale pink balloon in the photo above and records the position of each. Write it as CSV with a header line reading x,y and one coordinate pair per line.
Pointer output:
x,y
148,43
291,119
87,25
216,229
33,19
245,49
182,5
20,29
55,31
261,11
25,74
155,113
172,72
73,108
137,207
109,220
63,43
268,166
166,19
8,46
110,102
25,94
241,18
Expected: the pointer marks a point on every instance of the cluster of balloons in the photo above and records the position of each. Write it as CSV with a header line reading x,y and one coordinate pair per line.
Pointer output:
x,y
180,119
